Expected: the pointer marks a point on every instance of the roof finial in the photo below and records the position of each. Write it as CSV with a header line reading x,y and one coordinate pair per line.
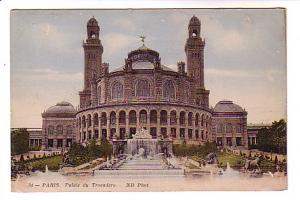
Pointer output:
x,y
143,39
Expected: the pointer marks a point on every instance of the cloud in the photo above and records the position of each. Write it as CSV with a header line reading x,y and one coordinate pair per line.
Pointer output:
x,y
115,42
45,37
242,74
46,74
123,23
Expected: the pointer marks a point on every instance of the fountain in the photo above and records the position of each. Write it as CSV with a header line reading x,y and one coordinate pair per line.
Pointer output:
x,y
143,156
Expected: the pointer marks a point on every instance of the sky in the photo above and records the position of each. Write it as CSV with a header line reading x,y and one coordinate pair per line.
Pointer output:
x,y
245,55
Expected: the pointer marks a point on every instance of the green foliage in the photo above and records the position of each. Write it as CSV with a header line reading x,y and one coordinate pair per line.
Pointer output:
x,y
22,158
276,160
80,154
273,139
194,150
19,141
232,159
36,148
40,164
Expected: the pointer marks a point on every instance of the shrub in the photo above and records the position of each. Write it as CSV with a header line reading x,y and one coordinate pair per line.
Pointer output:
x,y
22,158
276,160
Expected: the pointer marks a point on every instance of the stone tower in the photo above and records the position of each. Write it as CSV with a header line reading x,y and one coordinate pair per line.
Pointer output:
x,y
93,51
194,49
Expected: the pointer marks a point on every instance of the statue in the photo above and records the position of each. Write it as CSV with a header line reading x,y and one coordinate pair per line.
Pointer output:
x,y
253,165
142,134
66,161
211,158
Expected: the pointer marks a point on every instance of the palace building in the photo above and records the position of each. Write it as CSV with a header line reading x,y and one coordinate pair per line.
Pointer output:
x,y
145,93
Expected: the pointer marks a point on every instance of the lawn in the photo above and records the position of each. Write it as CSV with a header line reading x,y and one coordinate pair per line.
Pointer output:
x,y
52,163
232,159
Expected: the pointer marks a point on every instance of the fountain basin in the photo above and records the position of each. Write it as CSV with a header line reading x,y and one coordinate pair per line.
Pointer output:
x,y
140,172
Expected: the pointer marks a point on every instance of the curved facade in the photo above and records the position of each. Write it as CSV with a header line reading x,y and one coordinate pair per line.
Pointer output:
x,y
144,93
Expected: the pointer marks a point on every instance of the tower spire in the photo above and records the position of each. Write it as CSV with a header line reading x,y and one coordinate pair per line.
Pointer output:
x,y
143,39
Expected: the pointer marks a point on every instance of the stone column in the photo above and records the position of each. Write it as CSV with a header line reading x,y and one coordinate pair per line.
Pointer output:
x,y
185,126
138,120
194,127
117,125
81,136
86,130
158,125
108,127
224,140
148,121
93,128
127,125
168,124
177,127
99,128
64,143
55,143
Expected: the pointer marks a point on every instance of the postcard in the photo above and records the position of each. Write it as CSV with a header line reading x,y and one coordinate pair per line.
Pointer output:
x,y
148,100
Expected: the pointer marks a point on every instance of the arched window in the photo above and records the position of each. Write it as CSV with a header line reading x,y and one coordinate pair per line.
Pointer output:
x,y
50,130
220,128
122,117
143,88
69,130
239,128
117,91
182,118
173,118
103,119
59,129
113,118
153,116
190,119
96,119
89,120
202,120
197,120
195,33
187,92
163,117
132,117
206,121
83,121
228,128
169,89
143,116
99,94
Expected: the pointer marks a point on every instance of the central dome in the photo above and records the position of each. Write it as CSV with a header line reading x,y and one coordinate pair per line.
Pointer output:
x,y
62,109
143,53
143,58
228,106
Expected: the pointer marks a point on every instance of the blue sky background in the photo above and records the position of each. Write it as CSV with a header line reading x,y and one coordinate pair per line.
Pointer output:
x,y
245,54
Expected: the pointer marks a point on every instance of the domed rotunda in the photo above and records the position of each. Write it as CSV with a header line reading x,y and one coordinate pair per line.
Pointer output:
x,y
144,93
58,129
230,124
116,102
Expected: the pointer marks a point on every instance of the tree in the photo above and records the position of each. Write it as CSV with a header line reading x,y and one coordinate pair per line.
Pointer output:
x,y
276,160
19,141
273,139
22,158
